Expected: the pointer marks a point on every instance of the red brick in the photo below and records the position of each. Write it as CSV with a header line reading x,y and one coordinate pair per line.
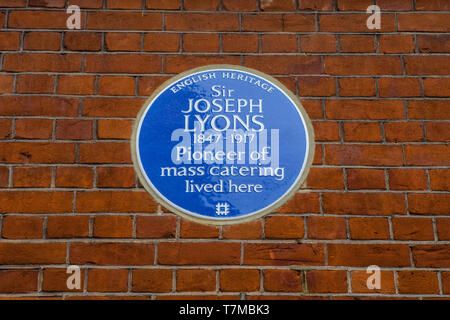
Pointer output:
x,y
316,86
123,63
201,22
196,280
437,87
364,203
438,131
163,4
116,86
363,155
32,177
363,255
98,20
365,179
359,282
262,22
123,41
407,179
313,108
318,43
438,43
247,230
202,5
321,227
362,65
432,5
50,41
240,42
325,178
298,22
120,4
284,227
239,280
15,227
32,253
318,155
74,177
445,282
357,87
412,229
279,43
302,203
55,280
105,152
47,4
428,22
403,131
105,253
180,63
38,19
354,22
431,256
68,227
4,177
395,5
277,5
357,43
156,226
399,87
369,228
316,5
35,201
107,280
18,281
423,155
35,83
33,128
362,131
418,282
13,3
443,228
36,152
115,201
201,42
283,280
193,230
147,85
396,43
326,281
115,177
427,65
74,129
429,110
353,5
198,253
42,62
112,107
152,280
365,109
83,41
283,254
6,83
167,42
112,226
75,84
9,40
429,204
440,179
239,5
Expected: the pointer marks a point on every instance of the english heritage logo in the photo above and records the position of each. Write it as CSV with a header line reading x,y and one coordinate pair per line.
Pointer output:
x,y
222,144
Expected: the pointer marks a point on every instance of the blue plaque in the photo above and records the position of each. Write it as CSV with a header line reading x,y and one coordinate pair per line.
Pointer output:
x,y
222,144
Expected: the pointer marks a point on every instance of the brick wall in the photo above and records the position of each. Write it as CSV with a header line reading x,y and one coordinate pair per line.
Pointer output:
x,y
378,192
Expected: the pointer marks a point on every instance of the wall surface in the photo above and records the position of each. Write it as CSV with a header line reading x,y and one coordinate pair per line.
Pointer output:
x,y
378,192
